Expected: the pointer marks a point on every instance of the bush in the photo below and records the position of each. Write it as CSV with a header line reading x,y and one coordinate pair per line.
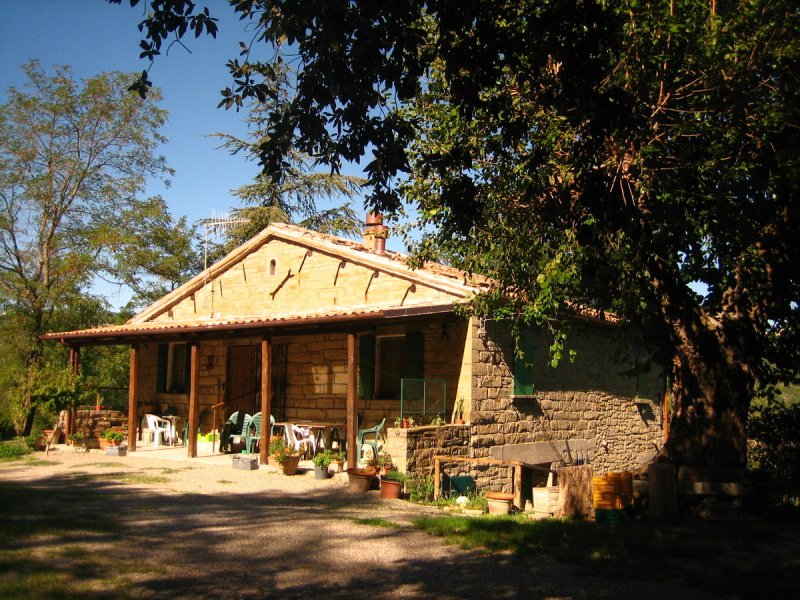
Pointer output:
x,y
14,449
774,447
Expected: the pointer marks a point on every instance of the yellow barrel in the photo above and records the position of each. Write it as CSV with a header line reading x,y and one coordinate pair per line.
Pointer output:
x,y
604,492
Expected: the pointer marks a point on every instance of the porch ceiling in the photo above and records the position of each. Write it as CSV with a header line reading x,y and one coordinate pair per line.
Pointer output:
x,y
210,327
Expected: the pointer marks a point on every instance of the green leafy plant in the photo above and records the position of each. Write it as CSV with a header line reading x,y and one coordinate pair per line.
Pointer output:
x,y
75,437
398,422
13,449
437,420
458,411
323,459
396,476
420,489
477,501
115,437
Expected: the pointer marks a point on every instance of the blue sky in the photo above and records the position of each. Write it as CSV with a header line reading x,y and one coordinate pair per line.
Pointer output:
x,y
93,36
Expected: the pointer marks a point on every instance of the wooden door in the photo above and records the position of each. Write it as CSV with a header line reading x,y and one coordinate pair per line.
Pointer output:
x,y
244,379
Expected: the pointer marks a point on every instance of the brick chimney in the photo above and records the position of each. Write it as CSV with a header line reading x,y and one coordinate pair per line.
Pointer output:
x,y
375,233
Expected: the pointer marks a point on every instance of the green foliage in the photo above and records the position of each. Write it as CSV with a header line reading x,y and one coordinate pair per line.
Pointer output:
x,y
604,155
276,445
115,437
774,447
477,501
323,459
74,155
13,449
295,197
420,489
396,476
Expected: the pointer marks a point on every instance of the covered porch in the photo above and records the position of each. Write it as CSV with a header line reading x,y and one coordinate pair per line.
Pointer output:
x,y
339,369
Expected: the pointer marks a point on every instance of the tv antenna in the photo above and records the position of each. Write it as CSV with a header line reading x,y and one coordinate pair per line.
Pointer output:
x,y
217,226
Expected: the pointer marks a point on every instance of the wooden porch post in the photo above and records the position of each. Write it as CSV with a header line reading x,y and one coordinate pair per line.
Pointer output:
x,y
194,396
352,392
266,396
75,366
133,398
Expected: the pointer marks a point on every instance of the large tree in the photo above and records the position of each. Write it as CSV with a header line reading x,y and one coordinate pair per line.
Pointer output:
x,y
295,196
74,156
620,155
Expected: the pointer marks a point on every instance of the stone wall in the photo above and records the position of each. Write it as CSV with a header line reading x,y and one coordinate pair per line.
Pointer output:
x,y
606,415
92,423
412,450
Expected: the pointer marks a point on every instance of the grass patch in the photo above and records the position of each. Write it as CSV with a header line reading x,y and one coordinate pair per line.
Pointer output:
x,y
102,465
41,462
378,522
142,479
757,559
225,481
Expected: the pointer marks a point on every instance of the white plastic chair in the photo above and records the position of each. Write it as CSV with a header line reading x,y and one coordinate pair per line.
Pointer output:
x,y
300,439
158,426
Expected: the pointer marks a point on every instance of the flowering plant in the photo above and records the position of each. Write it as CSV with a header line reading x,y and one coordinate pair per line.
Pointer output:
x,y
285,453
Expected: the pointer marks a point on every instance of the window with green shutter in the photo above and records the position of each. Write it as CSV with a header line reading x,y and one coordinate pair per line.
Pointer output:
x,y
387,359
523,373
366,367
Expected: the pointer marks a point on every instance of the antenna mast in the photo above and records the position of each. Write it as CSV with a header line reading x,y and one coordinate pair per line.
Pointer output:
x,y
216,226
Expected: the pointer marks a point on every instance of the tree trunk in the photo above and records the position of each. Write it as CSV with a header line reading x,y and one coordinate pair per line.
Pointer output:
x,y
712,387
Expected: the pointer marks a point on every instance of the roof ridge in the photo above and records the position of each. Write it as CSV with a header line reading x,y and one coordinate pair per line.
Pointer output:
x,y
450,279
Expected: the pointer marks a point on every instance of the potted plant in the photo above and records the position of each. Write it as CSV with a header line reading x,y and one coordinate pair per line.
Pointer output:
x,y
392,485
458,412
321,463
382,464
338,458
499,503
287,459
398,422
360,480
111,441
75,440
437,421
111,438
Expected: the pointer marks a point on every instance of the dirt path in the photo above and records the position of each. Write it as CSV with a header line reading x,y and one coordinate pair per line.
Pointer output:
x,y
149,528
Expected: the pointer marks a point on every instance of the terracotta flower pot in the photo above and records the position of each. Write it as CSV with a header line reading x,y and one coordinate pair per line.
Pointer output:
x,y
391,489
360,479
499,502
289,466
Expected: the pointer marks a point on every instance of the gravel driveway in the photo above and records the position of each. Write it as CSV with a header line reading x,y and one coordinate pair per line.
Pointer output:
x,y
189,529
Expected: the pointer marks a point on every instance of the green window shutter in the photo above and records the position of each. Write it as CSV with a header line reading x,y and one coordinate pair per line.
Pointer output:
x,y
161,368
366,366
414,356
187,351
523,373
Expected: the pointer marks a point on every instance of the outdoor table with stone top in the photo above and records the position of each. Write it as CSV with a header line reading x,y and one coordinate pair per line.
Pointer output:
x,y
198,529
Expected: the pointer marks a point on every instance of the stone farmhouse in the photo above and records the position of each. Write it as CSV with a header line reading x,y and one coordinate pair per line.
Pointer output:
x,y
307,326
